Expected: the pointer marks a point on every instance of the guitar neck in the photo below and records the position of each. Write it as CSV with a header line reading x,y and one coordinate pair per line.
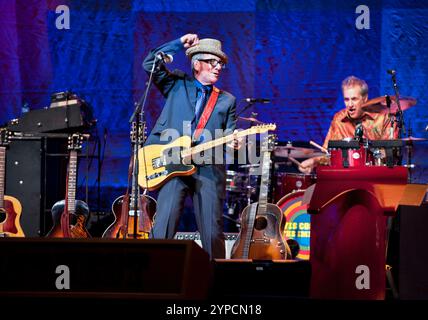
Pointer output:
x,y
2,174
261,206
264,182
71,186
226,139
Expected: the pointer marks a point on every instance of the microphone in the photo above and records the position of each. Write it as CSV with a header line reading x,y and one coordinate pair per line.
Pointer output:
x,y
254,100
358,135
392,72
164,57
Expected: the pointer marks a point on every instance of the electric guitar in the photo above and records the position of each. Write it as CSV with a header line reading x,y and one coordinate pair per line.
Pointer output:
x,y
260,235
69,215
160,163
123,208
10,207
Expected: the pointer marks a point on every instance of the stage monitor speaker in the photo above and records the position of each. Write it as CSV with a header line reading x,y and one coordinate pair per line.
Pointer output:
x,y
104,268
261,279
408,253
229,240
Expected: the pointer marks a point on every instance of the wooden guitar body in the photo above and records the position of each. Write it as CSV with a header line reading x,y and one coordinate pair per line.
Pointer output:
x,y
163,162
10,218
77,220
10,207
123,225
266,242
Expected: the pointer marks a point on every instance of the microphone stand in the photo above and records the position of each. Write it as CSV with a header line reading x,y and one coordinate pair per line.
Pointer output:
x,y
399,115
140,122
249,104
401,126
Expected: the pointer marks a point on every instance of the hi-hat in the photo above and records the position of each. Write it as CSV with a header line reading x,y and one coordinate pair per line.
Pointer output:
x,y
251,119
296,152
379,104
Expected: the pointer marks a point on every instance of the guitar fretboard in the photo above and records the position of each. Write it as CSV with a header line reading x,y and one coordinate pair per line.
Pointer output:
x,y
226,139
262,204
71,186
2,174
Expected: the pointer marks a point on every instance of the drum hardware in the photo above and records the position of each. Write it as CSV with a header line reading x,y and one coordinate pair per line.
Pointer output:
x,y
386,152
377,155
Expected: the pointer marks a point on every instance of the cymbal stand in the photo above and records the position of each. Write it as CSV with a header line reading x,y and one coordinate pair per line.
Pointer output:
x,y
409,164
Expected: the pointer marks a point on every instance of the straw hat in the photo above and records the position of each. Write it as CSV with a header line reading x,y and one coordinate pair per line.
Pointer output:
x,y
211,46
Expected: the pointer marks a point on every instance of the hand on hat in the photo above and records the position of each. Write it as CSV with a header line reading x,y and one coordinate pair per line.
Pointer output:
x,y
189,40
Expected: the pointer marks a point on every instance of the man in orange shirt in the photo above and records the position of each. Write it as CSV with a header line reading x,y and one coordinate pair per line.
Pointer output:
x,y
375,125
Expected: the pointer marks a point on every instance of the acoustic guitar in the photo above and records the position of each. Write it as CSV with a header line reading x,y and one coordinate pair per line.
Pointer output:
x,y
260,234
69,215
160,163
128,222
10,207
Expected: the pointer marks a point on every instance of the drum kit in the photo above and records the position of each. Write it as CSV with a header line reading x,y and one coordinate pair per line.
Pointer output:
x,y
287,188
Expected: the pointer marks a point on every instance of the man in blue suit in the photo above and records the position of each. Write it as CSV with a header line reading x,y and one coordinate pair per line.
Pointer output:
x,y
187,97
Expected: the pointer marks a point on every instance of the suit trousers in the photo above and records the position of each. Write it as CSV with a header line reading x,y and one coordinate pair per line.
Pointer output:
x,y
208,205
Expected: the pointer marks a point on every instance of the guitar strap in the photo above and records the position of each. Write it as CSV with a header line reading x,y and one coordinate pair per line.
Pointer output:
x,y
206,114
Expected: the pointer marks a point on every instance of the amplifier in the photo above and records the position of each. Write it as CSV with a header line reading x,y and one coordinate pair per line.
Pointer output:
x,y
67,118
229,238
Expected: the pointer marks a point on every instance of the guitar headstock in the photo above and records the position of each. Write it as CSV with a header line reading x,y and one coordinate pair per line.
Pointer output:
x,y
261,128
141,132
269,142
75,141
4,137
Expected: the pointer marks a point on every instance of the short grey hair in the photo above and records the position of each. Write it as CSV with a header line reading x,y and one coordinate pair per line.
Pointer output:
x,y
353,81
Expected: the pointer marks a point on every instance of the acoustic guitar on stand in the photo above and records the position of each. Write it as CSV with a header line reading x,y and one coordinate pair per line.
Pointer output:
x,y
10,207
69,215
260,235
126,218
163,162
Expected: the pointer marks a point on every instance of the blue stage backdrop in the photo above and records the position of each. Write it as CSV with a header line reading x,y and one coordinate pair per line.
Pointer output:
x,y
295,53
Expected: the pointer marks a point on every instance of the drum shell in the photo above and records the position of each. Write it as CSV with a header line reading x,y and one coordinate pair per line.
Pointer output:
x,y
356,157
289,182
296,222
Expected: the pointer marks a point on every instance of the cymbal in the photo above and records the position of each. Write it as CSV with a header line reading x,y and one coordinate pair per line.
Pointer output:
x,y
296,152
251,119
379,104
413,139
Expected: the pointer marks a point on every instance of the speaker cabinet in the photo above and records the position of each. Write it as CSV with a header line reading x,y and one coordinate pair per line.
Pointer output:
x,y
104,268
261,279
408,254
35,175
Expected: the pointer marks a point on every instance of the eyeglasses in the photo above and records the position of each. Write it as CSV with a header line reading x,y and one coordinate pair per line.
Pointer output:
x,y
214,63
